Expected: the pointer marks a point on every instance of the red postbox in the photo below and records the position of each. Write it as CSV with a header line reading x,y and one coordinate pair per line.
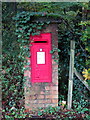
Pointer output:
x,y
41,59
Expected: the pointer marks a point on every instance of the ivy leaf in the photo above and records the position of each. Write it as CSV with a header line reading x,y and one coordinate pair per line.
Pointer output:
x,y
48,22
39,113
19,36
52,51
30,30
39,27
59,50
28,33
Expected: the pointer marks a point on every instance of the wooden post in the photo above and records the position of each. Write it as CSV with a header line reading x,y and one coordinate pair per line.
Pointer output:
x,y
71,73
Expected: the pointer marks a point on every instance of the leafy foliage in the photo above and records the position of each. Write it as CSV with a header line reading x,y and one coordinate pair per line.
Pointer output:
x,y
16,35
85,38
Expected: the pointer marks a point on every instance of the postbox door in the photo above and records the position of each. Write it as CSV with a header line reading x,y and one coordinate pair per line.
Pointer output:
x,y
41,63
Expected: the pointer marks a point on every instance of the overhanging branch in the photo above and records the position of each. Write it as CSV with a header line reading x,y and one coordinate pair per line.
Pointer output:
x,y
81,79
